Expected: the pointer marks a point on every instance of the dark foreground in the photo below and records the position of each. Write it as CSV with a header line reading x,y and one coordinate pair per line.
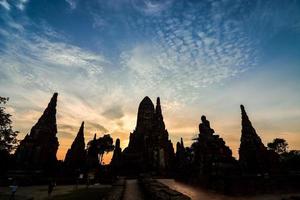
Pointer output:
x,y
196,193
60,192
131,190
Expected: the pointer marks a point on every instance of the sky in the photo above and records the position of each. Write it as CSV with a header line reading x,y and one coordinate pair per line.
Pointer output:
x,y
200,57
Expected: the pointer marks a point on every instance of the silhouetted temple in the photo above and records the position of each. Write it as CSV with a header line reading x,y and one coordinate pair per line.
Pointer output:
x,y
38,149
76,155
150,154
116,161
149,148
180,152
212,156
253,155
183,162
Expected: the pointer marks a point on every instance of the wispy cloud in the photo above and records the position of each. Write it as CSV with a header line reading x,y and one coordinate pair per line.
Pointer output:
x,y
151,6
5,4
19,4
187,53
36,60
96,127
72,3
115,112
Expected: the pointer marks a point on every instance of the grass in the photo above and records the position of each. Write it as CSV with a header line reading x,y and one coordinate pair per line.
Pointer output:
x,y
79,194
17,197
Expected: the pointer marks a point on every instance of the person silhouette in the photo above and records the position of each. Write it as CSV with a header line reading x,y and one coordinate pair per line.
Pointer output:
x,y
13,188
51,187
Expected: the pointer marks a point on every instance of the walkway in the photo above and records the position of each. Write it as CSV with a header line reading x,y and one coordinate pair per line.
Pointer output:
x,y
133,191
200,194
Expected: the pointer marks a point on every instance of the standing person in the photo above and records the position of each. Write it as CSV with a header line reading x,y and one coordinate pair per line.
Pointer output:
x,y
13,188
51,187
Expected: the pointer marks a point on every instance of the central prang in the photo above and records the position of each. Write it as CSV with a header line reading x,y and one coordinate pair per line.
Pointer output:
x,y
149,149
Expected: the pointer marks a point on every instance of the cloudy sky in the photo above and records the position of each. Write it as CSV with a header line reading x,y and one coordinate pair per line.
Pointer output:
x,y
201,57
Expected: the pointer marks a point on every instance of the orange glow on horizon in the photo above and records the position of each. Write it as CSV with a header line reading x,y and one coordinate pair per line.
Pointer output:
x,y
184,125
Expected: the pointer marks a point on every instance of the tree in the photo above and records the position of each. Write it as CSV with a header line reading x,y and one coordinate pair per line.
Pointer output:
x,y
105,145
100,146
8,140
278,145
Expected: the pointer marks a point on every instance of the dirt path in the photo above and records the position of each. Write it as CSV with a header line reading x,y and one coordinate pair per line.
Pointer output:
x,y
200,194
133,191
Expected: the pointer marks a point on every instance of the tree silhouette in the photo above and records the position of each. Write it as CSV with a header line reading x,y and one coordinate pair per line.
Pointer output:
x,y
105,145
279,145
8,140
101,145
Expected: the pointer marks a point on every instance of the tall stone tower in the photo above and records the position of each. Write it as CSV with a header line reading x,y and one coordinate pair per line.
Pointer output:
x,y
76,155
253,155
116,161
149,148
38,149
181,158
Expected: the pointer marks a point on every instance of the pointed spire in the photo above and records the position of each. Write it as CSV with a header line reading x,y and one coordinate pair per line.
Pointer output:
x,y
79,140
245,118
158,107
95,136
181,142
80,133
247,128
75,156
242,108
117,143
252,152
158,115
116,159
41,143
81,128
178,147
48,118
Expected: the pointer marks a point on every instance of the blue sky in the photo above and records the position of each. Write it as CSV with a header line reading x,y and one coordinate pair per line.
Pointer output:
x,y
200,57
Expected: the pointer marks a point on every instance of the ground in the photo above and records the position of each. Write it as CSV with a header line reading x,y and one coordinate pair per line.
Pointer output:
x,y
197,193
63,192
132,192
